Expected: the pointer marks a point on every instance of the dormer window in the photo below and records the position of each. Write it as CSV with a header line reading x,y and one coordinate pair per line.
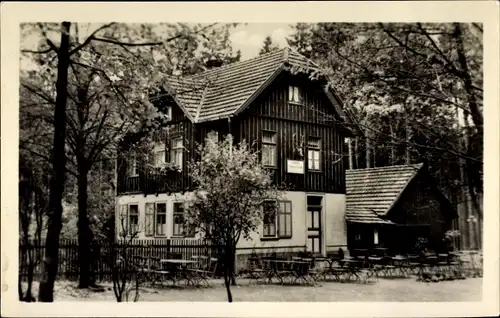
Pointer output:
x,y
294,94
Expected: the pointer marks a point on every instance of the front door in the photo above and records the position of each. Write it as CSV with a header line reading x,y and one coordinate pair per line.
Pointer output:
x,y
314,208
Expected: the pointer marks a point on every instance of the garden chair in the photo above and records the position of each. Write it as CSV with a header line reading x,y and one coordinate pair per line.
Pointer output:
x,y
386,266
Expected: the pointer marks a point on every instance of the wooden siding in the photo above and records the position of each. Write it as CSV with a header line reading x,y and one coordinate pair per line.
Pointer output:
x,y
315,117
292,123
420,210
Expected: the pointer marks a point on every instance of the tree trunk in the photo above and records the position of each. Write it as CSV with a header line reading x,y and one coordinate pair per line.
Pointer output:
x,y
408,138
477,115
393,153
84,233
368,149
51,259
356,151
233,266
227,283
349,147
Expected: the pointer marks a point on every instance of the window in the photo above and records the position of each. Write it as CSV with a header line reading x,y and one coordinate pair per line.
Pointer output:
x,y
169,113
155,219
159,155
133,219
313,153
270,220
375,237
285,219
180,226
161,219
269,148
132,166
294,94
123,220
177,149
213,135
149,221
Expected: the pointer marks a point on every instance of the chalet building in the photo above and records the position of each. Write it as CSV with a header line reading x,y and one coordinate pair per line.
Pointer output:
x,y
299,125
391,207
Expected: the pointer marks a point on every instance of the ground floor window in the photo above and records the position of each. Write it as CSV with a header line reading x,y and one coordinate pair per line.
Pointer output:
x,y
128,220
155,219
181,228
285,219
270,220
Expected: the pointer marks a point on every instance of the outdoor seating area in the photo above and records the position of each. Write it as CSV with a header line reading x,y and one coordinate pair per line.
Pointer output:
x,y
196,272
365,268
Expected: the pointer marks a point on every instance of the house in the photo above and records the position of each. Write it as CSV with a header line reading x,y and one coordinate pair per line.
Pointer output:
x,y
298,123
391,207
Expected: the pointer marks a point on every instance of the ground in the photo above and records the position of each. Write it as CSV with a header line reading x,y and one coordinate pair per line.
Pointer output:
x,y
383,290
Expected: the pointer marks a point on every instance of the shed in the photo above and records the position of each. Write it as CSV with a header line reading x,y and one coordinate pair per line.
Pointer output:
x,y
395,207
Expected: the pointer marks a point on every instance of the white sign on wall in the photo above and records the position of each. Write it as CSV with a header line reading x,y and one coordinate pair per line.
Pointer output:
x,y
295,166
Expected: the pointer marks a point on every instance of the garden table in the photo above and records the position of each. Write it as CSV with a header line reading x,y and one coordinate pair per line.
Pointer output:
x,y
282,268
353,266
178,269
402,264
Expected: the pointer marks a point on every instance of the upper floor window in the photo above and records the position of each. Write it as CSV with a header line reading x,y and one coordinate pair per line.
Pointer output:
x,y
159,155
294,94
269,148
213,135
132,170
313,153
177,150
169,113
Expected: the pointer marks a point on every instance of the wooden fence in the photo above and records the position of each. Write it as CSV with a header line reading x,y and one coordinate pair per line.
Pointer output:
x,y
104,255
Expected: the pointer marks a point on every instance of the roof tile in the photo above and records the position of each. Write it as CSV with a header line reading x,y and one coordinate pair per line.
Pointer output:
x,y
376,189
220,92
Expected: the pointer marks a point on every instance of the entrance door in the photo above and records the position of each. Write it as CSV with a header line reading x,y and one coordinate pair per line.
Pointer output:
x,y
314,207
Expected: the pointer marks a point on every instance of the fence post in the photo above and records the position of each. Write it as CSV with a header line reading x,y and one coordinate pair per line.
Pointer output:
x,y
168,247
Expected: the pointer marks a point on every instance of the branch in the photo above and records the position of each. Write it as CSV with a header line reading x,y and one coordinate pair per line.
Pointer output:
x,y
49,42
91,36
111,41
38,52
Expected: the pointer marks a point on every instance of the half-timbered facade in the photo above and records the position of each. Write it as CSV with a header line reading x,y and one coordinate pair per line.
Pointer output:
x,y
297,123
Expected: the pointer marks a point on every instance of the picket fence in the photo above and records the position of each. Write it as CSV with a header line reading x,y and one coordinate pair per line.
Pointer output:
x,y
102,255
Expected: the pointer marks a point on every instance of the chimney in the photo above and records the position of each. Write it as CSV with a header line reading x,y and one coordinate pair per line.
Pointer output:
x,y
213,62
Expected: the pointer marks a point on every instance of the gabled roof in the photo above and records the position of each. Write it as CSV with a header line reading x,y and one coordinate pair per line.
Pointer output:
x,y
227,90
377,189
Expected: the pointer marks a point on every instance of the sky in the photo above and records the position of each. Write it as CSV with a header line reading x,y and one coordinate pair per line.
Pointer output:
x,y
249,38
246,37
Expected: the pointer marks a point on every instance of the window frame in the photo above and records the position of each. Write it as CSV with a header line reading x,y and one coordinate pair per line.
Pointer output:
x,y
213,135
177,149
132,166
273,144
265,236
159,147
285,213
155,228
129,224
314,149
185,232
295,91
